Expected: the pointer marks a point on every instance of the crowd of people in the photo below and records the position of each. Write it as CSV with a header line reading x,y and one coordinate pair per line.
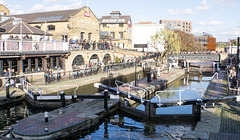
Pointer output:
x,y
84,44
11,78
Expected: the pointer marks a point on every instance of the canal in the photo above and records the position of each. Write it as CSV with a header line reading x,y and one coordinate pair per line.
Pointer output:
x,y
122,126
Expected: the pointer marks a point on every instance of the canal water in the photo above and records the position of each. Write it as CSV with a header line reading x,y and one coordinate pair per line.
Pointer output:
x,y
122,126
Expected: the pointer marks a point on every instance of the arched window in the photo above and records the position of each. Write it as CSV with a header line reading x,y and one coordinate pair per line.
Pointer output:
x,y
51,27
38,27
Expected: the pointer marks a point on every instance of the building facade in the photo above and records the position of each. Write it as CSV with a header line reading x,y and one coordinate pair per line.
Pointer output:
x,y
66,24
4,10
206,41
142,37
116,28
184,26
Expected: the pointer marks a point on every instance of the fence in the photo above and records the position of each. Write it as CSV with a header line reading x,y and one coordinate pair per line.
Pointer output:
x,y
22,45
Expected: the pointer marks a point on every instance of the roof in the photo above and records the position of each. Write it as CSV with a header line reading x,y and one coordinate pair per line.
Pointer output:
x,y
11,28
120,19
50,16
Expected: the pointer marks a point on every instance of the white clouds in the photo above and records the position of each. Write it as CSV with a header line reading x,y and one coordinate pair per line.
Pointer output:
x,y
210,23
181,11
232,3
204,6
55,7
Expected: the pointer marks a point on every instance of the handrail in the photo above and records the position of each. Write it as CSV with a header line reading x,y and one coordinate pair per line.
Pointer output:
x,y
129,87
159,98
216,73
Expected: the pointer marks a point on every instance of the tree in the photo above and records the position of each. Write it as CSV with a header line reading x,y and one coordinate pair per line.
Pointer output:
x,y
188,42
170,40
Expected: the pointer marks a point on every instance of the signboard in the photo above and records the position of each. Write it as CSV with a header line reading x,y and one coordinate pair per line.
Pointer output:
x,y
86,14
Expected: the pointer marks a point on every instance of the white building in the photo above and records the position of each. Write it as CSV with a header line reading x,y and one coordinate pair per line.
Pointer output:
x,y
141,36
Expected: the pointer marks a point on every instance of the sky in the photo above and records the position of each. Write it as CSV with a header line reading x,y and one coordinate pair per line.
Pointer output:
x,y
217,17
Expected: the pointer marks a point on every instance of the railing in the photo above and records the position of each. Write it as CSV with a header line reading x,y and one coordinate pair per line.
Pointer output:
x,y
215,74
131,86
180,95
21,45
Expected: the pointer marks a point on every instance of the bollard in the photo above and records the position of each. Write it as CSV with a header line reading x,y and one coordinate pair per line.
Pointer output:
x,y
149,77
63,98
7,91
46,116
106,100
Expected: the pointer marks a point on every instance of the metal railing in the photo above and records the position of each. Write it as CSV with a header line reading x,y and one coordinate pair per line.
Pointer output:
x,y
180,95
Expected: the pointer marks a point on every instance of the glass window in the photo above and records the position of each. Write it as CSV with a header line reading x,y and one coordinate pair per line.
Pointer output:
x,y
121,25
113,35
183,23
51,27
82,35
38,27
104,25
169,23
179,24
120,35
90,36
174,23
112,25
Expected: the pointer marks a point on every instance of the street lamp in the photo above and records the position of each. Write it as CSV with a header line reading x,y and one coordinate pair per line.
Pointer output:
x,y
135,72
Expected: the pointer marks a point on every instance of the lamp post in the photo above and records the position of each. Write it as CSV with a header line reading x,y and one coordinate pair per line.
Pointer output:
x,y
135,72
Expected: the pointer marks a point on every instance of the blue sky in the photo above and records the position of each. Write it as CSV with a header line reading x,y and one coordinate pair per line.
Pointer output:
x,y
218,17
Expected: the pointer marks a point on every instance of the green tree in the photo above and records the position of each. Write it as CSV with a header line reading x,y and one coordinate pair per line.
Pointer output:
x,y
170,40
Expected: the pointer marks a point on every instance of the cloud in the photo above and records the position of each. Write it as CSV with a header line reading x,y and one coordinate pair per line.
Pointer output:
x,y
232,3
55,7
210,23
181,11
205,6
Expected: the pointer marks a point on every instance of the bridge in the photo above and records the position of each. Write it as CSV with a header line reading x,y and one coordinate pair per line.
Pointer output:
x,y
199,57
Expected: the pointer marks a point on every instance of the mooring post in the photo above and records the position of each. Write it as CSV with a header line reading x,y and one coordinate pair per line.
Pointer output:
x,y
62,94
106,100
46,116
149,77
150,110
7,91
196,110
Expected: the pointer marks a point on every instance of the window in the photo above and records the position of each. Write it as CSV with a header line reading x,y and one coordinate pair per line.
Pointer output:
x,y
174,23
90,36
121,25
82,35
112,25
183,23
169,23
120,35
38,27
179,24
164,22
51,27
104,25
113,35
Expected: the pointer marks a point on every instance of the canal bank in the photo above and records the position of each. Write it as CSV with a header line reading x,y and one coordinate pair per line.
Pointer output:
x,y
220,122
77,117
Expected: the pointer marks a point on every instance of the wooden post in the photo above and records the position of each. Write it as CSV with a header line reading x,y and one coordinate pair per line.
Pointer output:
x,y
63,98
150,110
196,110
7,91
106,100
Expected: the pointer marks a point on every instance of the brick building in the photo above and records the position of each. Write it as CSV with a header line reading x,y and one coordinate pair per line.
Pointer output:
x,y
206,41
76,23
117,29
184,26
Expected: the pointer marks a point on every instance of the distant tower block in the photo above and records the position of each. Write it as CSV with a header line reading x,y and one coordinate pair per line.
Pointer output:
x,y
4,10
